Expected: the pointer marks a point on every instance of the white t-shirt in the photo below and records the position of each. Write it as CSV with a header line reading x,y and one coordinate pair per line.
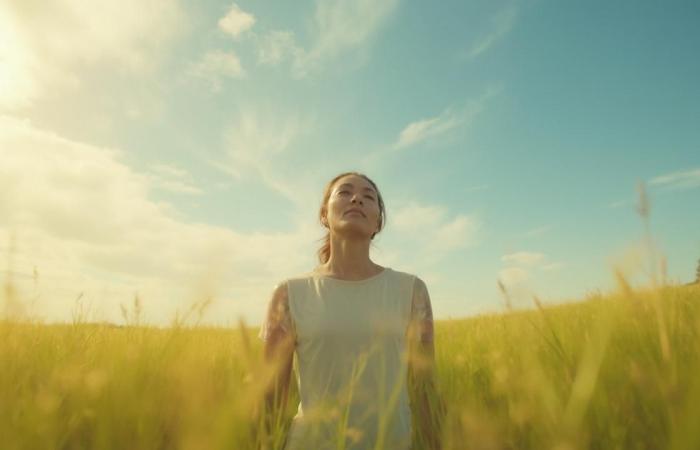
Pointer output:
x,y
351,357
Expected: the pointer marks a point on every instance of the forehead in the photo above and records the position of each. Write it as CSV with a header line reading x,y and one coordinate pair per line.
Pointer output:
x,y
354,181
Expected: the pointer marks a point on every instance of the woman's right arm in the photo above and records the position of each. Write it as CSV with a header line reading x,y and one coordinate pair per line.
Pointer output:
x,y
278,334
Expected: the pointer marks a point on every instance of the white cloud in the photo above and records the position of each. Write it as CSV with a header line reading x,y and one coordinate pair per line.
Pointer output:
x,y
168,177
685,179
86,221
278,46
345,25
51,47
259,145
414,217
424,129
339,27
430,232
502,23
216,65
553,266
524,258
421,130
518,271
236,21
456,234
513,275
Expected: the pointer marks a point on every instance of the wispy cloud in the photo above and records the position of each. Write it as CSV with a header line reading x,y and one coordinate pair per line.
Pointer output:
x,y
431,229
501,24
339,27
450,119
215,66
277,46
673,181
538,231
685,179
169,177
236,21
343,25
524,258
421,130
258,143
520,266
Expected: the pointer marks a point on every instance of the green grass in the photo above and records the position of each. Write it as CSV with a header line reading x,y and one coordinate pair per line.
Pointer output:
x,y
612,372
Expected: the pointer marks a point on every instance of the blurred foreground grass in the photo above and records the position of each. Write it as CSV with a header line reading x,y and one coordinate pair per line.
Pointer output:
x,y
612,372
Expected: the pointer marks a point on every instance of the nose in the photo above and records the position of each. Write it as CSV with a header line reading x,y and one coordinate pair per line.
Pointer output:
x,y
355,199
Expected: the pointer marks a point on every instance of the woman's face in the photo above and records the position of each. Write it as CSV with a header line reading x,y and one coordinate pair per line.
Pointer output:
x,y
353,207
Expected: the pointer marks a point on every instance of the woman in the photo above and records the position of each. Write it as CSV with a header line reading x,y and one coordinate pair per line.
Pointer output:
x,y
360,332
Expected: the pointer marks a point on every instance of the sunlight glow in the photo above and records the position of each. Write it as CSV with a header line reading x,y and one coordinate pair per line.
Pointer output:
x,y
16,84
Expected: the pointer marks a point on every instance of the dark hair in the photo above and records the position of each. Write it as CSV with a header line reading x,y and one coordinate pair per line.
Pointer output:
x,y
324,253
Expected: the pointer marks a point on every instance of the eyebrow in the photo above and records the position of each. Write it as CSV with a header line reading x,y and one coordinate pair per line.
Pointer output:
x,y
352,186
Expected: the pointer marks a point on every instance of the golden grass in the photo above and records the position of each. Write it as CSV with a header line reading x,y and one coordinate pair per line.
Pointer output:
x,y
612,372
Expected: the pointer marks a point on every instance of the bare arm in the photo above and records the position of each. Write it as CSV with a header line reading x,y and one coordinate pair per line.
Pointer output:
x,y
427,404
278,354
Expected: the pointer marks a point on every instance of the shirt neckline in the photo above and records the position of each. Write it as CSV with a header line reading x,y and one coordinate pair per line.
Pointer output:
x,y
364,280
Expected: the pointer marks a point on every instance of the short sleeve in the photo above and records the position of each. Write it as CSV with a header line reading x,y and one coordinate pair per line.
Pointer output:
x,y
278,320
422,312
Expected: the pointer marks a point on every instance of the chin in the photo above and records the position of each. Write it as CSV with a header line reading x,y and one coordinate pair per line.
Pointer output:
x,y
353,231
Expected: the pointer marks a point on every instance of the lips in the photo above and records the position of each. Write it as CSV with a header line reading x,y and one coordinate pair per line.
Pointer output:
x,y
354,210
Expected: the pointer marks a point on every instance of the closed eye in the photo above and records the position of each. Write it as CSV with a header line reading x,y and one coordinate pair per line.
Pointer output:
x,y
344,192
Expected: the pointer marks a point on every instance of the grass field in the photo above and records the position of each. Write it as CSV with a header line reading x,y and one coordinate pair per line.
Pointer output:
x,y
620,371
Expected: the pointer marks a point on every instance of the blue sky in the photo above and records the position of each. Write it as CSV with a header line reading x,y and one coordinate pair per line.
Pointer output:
x,y
178,150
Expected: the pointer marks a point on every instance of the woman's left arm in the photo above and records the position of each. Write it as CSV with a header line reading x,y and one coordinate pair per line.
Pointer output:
x,y
428,407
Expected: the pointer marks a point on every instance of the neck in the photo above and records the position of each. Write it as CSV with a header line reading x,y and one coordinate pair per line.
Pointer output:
x,y
350,259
